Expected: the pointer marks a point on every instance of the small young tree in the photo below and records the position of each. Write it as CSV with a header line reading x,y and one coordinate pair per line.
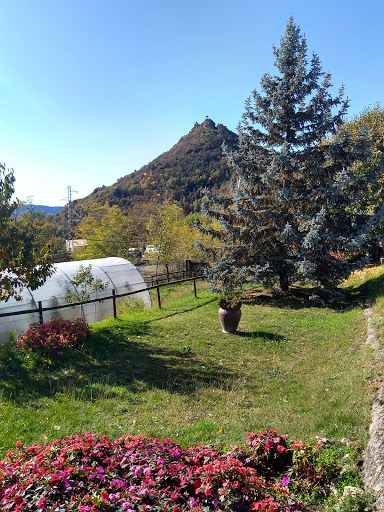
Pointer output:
x,y
163,231
289,215
22,261
82,284
108,233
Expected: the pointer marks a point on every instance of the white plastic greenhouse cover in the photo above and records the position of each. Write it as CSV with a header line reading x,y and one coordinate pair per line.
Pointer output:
x,y
118,273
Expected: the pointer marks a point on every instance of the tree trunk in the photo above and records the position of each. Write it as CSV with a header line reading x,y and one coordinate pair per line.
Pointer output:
x,y
284,283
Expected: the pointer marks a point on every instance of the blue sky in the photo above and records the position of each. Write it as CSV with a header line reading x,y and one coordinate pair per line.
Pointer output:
x,y
91,90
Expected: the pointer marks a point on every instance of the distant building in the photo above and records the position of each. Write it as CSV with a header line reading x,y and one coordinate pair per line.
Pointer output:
x,y
71,245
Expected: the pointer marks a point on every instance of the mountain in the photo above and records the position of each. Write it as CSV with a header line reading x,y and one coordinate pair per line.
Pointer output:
x,y
181,174
48,210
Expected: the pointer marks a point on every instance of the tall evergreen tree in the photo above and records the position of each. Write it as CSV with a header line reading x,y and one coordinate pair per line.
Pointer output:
x,y
288,216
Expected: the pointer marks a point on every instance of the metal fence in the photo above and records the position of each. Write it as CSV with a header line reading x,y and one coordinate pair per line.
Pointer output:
x,y
169,277
114,296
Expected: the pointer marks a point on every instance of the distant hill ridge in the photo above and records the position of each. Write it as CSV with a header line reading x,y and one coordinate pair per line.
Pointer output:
x,y
48,210
179,174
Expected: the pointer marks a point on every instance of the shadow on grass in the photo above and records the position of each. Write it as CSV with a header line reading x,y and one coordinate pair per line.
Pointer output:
x,y
168,312
300,297
115,361
270,336
366,293
296,298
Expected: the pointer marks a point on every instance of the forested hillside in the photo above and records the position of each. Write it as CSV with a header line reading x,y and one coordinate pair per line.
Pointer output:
x,y
178,175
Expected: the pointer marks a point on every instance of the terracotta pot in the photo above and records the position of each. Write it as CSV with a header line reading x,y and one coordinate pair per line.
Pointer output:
x,y
229,319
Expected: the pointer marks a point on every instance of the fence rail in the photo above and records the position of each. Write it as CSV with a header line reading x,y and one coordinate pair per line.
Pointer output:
x,y
40,309
170,277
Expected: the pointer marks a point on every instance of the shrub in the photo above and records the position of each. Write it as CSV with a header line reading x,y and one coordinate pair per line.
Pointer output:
x,y
129,305
357,501
229,302
308,476
267,452
341,463
55,335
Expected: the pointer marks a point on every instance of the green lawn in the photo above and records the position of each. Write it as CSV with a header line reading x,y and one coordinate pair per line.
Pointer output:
x,y
304,371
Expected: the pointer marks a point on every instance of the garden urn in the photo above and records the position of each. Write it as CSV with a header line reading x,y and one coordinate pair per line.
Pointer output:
x,y
229,319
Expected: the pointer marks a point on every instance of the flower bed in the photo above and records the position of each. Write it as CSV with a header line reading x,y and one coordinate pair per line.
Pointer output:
x,y
90,473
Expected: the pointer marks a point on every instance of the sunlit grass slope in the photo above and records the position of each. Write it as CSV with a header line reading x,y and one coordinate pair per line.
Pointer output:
x,y
304,371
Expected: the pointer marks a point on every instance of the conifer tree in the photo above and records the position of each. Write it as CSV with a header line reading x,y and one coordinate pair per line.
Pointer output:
x,y
288,216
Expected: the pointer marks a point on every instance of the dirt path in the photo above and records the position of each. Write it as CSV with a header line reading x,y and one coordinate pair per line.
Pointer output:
x,y
373,467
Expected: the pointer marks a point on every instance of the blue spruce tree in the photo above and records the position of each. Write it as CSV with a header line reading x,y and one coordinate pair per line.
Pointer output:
x,y
291,212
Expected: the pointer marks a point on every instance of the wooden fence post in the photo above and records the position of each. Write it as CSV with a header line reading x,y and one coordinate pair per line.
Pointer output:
x,y
114,303
158,295
194,287
40,312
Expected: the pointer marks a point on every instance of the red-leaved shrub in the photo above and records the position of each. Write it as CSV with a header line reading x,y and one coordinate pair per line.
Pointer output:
x,y
57,334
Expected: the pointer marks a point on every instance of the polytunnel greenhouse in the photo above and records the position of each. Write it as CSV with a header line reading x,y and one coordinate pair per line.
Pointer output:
x,y
114,273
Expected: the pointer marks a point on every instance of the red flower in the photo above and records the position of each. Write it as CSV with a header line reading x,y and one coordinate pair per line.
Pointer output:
x,y
104,496
42,503
18,500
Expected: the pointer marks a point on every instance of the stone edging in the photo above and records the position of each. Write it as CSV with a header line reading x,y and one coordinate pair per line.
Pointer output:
x,y
373,466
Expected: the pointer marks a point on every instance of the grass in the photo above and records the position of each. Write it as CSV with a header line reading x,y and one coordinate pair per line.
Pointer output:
x,y
300,370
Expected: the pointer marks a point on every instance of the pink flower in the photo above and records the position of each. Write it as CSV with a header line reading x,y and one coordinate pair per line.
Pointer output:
x,y
285,481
